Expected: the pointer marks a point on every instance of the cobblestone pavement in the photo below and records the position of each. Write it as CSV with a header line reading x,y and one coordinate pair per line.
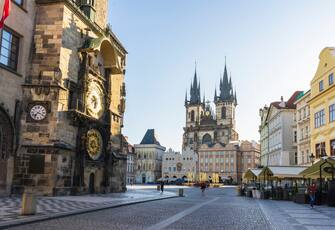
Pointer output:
x,y
10,207
219,208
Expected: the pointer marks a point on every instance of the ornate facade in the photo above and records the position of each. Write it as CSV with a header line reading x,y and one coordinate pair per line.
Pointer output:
x,y
73,103
205,126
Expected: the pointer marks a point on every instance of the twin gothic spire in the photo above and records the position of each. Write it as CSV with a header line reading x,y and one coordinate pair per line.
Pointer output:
x,y
226,89
227,93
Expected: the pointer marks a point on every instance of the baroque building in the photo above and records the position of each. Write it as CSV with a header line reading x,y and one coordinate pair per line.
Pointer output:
x,y
322,106
73,103
149,156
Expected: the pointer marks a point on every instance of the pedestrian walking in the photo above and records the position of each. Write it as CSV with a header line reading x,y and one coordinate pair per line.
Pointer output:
x,y
311,192
203,188
162,186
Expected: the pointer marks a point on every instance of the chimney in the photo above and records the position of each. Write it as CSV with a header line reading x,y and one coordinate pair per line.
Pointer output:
x,y
282,102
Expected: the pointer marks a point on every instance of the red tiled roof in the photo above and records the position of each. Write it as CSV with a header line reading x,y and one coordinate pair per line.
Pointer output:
x,y
288,104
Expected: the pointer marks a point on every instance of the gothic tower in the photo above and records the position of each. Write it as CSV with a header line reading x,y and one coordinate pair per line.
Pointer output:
x,y
194,112
225,104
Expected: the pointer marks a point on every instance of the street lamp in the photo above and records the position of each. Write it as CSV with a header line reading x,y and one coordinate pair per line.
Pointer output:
x,y
312,158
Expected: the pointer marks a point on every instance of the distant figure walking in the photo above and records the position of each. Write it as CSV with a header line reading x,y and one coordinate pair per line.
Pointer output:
x,y
203,188
162,186
311,192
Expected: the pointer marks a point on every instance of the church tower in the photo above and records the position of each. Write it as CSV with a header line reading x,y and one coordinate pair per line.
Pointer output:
x,y
194,112
225,104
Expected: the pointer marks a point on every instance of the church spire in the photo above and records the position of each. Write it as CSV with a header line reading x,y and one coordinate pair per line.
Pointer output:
x,y
215,95
186,98
195,90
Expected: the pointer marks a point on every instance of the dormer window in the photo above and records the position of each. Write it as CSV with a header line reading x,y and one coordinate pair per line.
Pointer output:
x,y
87,6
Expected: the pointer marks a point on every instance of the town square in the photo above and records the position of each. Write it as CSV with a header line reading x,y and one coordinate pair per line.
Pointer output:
x,y
153,114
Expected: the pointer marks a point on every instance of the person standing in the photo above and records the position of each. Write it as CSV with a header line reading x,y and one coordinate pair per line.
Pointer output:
x,y
311,192
162,186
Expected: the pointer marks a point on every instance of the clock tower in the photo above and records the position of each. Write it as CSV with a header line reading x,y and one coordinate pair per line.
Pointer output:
x,y
74,102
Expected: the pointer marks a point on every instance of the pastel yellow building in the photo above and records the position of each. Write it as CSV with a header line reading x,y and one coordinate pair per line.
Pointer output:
x,y
322,105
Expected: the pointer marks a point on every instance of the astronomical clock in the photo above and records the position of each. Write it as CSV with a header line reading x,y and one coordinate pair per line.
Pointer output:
x,y
94,144
95,100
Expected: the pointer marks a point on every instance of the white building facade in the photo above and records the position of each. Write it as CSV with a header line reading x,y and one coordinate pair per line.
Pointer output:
x,y
180,165
282,136
303,129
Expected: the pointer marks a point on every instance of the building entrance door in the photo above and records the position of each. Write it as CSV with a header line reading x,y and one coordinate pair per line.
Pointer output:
x,y
143,179
6,148
91,183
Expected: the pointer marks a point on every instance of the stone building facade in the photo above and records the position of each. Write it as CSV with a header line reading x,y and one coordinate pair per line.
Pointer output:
x,y
180,165
73,103
303,128
149,155
16,39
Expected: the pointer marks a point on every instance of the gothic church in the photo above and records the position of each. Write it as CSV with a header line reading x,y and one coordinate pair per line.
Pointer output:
x,y
205,126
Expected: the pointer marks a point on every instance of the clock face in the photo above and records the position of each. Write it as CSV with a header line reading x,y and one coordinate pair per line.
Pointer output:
x,y
38,112
208,113
95,100
94,144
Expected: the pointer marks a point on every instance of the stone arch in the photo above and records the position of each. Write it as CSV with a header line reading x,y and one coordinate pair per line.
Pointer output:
x,y
6,146
207,139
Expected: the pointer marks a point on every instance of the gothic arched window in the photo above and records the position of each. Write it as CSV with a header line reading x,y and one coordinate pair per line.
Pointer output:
x,y
192,116
223,113
207,139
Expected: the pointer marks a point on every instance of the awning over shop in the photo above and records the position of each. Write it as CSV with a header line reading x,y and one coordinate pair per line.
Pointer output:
x,y
281,172
313,171
252,174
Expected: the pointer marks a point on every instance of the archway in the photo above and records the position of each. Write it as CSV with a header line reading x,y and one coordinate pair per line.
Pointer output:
x,y
6,147
207,139
91,184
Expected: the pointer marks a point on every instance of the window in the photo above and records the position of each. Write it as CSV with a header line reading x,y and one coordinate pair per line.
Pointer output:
x,y
332,113
19,2
295,136
320,86
223,113
207,139
332,147
295,158
331,79
319,118
9,49
320,149
192,116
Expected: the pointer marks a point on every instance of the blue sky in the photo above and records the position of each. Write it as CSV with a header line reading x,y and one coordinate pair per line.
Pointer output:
x,y
272,49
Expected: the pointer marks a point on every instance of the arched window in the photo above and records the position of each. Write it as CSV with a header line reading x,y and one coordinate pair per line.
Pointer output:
x,y
207,139
192,116
223,113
